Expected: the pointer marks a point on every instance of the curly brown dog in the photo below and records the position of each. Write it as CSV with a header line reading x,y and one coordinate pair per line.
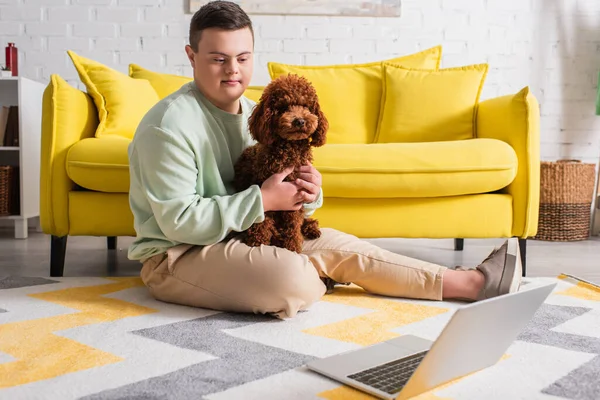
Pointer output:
x,y
286,122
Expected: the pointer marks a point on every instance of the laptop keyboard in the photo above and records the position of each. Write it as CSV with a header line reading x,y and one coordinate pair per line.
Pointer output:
x,y
390,377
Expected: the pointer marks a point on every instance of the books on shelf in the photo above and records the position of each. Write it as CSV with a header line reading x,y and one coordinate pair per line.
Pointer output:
x,y
10,194
4,111
9,126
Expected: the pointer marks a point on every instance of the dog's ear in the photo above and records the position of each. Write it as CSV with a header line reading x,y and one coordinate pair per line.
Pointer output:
x,y
318,138
260,122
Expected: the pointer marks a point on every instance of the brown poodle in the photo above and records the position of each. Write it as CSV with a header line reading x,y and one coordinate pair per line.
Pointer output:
x,y
286,123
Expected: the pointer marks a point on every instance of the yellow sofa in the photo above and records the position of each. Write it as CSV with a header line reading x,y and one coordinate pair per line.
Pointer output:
x,y
408,155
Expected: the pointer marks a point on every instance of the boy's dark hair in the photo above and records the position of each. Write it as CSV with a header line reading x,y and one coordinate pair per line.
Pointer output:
x,y
218,14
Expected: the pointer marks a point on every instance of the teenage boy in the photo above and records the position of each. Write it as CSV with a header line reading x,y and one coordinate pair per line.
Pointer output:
x,y
184,204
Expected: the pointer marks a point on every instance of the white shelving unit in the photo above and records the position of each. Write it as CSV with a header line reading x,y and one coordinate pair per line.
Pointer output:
x,y
596,206
27,95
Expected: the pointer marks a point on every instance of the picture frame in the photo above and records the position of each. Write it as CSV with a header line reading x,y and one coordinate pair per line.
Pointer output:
x,y
348,8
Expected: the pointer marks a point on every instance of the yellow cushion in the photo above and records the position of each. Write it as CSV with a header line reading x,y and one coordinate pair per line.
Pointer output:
x,y
165,84
350,94
415,169
425,106
121,101
100,164
254,92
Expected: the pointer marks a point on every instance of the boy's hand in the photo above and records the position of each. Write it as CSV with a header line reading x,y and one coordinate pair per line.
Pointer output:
x,y
310,180
282,196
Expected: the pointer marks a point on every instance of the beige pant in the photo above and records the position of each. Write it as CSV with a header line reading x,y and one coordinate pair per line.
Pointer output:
x,y
231,276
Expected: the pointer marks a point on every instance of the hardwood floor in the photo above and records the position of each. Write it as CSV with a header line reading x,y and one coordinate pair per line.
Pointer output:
x,y
89,256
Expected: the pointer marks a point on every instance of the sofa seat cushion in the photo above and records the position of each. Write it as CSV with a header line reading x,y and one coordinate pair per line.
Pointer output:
x,y
100,164
427,169
349,170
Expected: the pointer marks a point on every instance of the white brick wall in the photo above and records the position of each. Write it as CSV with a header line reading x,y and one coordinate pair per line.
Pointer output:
x,y
551,45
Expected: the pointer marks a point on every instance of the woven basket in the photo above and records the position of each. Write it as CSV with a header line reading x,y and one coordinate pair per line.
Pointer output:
x,y
6,179
566,195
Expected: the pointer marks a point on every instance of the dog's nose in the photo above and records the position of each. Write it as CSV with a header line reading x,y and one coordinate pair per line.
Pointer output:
x,y
298,123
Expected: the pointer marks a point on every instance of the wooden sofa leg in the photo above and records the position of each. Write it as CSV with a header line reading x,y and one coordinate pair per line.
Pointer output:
x,y
58,250
523,251
459,244
111,242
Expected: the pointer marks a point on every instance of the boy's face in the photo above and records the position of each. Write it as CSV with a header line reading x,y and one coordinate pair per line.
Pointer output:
x,y
223,65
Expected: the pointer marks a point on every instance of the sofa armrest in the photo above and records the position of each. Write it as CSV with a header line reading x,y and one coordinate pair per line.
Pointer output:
x,y
68,116
515,119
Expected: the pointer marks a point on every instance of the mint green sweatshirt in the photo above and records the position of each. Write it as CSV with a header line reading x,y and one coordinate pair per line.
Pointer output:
x,y
181,163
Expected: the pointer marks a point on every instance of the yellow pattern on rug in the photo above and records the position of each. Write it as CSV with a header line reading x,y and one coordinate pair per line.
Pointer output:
x,y
373,327
44,355
581,290
348,393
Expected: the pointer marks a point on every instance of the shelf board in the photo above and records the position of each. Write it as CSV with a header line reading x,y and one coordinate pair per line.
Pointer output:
x,y
9,148
10,217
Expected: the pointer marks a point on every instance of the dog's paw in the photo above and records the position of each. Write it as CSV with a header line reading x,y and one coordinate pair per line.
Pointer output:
x,y
312,234
310,229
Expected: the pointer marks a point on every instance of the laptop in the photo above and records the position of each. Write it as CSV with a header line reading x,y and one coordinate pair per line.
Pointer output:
x,y
476,337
